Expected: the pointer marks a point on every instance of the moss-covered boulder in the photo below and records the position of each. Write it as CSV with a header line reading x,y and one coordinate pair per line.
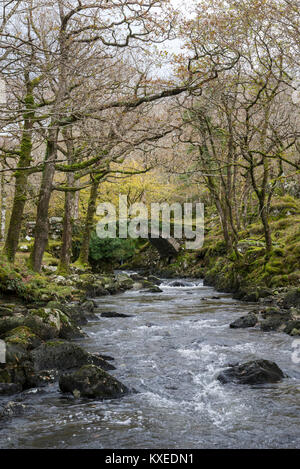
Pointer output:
x,y
124,281
39,327
92,382
17,368
11,309
97,289
250,320
8,389
74,312
63,355
16,353
22,335
9,323
293,327
292,298
275,319
58,322
87,309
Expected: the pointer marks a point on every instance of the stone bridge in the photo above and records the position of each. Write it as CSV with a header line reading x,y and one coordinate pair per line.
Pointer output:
x,y
167,247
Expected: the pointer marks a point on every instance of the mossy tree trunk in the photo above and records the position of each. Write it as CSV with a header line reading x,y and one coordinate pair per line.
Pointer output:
x,y
42,223
89,224
3,204
66,248
21,177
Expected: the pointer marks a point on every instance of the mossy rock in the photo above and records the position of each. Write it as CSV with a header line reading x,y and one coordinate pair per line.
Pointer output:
x,y
22,335
284,205
59,322
292,327
63,355
92,382
294,278
279,280
9,323
39,327
273,270
6,311
292,298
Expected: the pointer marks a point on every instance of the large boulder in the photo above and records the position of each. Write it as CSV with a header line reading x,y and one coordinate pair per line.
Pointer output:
x,y
73,312
92,382
97,289
124,281
87,309
275,319
62,355
7,389
40,328
293,327
18,372
292,298
252,372
154,280
58,323
24,336
9,323
250,320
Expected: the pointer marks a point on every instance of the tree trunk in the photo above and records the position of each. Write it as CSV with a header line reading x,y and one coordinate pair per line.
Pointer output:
x,y
3,206
21,180
89,224
224,223
42,223
267,230
76,205
66,248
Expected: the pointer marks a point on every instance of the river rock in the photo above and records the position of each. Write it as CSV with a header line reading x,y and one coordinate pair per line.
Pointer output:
x,y
250,320
179,283
292,298
252,372
18,370
74,312
137,286
40,328
7,389
112,314
293,327
154,289
92,382
124,281
154,280
9,323
58,323
137,277
88,309
22,335
12,409
62,355
275,319
97,289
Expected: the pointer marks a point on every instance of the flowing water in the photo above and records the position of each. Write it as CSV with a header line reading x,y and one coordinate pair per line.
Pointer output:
x,y
170,350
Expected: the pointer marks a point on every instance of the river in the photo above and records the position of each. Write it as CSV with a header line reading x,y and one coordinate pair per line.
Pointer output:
x,y
170,350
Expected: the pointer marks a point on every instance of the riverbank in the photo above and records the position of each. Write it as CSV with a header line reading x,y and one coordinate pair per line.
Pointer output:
x,y
40,317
